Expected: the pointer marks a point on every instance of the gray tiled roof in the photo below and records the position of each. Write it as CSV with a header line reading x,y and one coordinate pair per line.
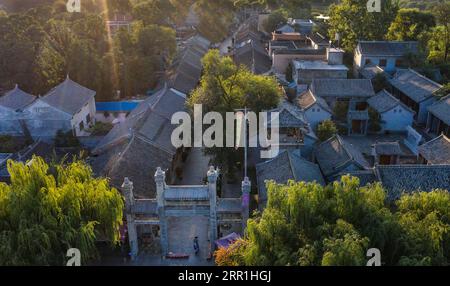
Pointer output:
x,y
370,71
388,148
441,109
289,115
318,39
436,151
252,53
383,101
286,166
16,99
398,179
386,48
187,66
68,96
414,85
307,100
38,148
136,147
342,88
365,176
336,154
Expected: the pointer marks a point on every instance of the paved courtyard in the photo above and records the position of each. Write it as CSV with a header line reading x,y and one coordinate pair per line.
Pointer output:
x,y
195,168
182,231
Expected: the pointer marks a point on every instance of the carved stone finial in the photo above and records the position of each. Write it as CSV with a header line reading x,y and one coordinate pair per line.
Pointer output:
x,y
127,183
160,175
212,174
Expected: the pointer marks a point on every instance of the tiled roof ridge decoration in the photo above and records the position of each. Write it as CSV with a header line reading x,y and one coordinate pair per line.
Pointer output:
x,y
64,89
8,99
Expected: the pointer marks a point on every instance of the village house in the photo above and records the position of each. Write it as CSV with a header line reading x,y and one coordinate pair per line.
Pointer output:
x,y
394,115
351,94
248,48
304,26
67,107
316,109
438,120
388,55
186,69
12,104
386,153
336,156
288,165
284,48
415,91
295,133
136,147
304,72
435,152
282,57
285,28
356,92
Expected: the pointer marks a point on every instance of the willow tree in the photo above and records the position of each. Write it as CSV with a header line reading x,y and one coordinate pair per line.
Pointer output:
x,y
306,224
45,211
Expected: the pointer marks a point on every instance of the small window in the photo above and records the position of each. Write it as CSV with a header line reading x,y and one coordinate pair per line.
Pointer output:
x,y
383,63
88,118
81,125
368,61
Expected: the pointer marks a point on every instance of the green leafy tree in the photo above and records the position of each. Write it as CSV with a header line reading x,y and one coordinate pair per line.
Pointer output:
x,y
153,11
225,87
441,35
326,130
275,18
409,24
308,224
45,211
352,21
374,121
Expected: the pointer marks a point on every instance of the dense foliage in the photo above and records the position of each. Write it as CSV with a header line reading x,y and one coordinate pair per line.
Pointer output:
x,y
307,224
409,24
45,43
46,210
225,87
326,130
352,21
